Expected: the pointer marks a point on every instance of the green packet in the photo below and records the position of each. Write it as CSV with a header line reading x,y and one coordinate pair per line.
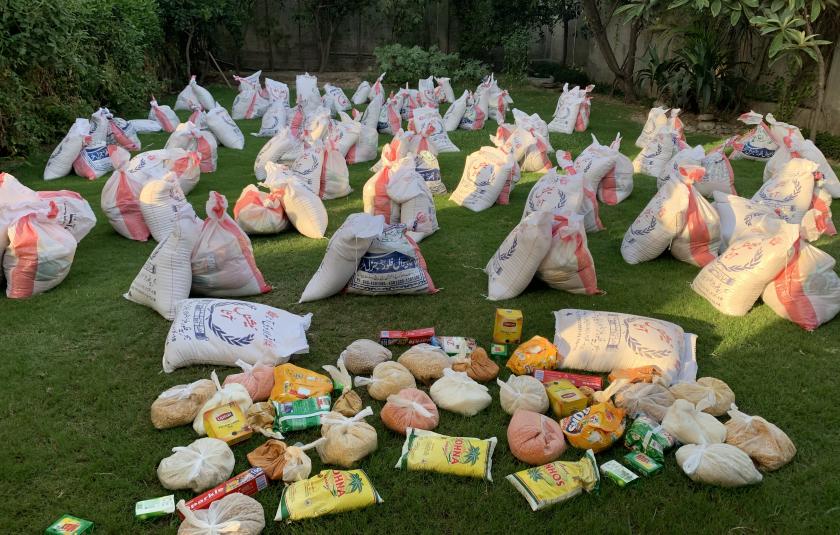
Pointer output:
x,y
620,475
300,414
70,525
646,436
154,507
642,463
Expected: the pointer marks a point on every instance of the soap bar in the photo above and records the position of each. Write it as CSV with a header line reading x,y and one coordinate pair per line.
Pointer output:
x,y
642,463
565,398
228,423
455,345
618,474
70,525
499,351
155,507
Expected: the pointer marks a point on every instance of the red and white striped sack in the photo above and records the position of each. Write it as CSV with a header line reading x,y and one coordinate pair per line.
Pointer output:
x,y
568,265
260,212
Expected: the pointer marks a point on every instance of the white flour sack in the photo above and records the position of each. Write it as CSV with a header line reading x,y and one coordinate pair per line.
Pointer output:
x,y
656,119
204,97
360,96
582,121
260,212
93,161
38,255
324,168
225,130
734,280
486,172
122,133
222,260
719,173
533,124
187,100
165,278
426,164
375,197
249,103
515,262
70,210
426,88
455,112
274,118
475,114
683,157
428,122
654,157
444,90
284,147
367,146
659,223
145,126
344,252
344,133
306,91
676,124
161,201
794,146
567,193
221,331
61,160
191,138
304,208
121,204
535,157
737,214
617,184
389,121
155,163
393,264
595,162
699,241
163,115
605,341
277,92
757,144
566,111
807,291
568,265
790,192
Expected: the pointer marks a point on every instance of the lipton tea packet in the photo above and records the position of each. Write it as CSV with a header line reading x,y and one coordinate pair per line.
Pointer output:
x,y
596,427
461,456
328,493
557,482
228,423
565,398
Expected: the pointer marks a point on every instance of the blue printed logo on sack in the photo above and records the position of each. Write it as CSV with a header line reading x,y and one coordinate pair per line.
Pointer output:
x,y
231,321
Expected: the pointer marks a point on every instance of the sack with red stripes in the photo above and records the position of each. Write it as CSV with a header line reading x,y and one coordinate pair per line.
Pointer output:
x,y
70,210
389,121
793,146
656,120
260,212
790,193
664,219
191,138
734,280
305,210
379,197
568,192
61,160
323,169
222,260
94,161
306,92
251,101
757,144
122,133
585,109
407,188
155,163
567,110
513,265
38,255
429,124
475,114
343,133
807,291
594,162
163,115
719,173
536,156
617,184
455,112
187,99
568,265
654,157
426,88
282,148
443,91
160,201
393,264
486,174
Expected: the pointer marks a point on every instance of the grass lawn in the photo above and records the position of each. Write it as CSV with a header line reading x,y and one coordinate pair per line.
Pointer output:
x,y
81,366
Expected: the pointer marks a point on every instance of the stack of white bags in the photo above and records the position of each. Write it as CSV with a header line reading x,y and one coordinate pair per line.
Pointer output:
x,y
572,111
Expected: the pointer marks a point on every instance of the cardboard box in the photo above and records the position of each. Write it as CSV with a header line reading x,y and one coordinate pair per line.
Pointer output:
x,y
595,382
507,327
249,482
70,525
154,507
410,338
565,398
227,423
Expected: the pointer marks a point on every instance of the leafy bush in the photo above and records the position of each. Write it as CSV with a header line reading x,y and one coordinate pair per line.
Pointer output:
x,y
62,62
409,64
515,46
562,74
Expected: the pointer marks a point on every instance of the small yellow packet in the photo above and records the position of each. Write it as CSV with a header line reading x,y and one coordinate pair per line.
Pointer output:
x,y
535,354
328,493
565,398
461,456
557,482
292,383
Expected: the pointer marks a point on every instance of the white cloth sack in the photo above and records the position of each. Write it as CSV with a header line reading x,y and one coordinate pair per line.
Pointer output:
x,y
688,423
260,212
225,130
304,208
721,465
235,514
393,264
486,172
633,341
145,126
654,157
617,184
163,115
70,210
222,331
455,112
515,262
522,392
161,201
568,265
360,96
200,466
283,147
790,193
457,392
61,160
190,137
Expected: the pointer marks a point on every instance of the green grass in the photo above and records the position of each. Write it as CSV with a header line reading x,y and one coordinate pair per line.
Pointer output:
x,y
81,366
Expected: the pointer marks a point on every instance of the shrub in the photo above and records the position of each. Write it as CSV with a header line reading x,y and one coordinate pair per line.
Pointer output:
x,y
571,75
62,62
409,64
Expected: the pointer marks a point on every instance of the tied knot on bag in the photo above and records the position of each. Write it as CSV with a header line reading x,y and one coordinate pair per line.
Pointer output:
x,y
402,402
215,379
180,391
340,375
365,381
212,524
735,414
246,368
343,421
509,389
692,463
198,461
462,378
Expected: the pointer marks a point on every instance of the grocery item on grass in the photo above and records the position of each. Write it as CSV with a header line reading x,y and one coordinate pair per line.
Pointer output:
x,y
258,379
179,405
202,465
362,356
425,362
689,425
231,393
647,436
534,438
714,390
283,462
348,439
522,392
543,486
292,383
456,392
596,427
409,408
236,514
387,378
227,422
460,456
720,465
247,483
327,493
767,445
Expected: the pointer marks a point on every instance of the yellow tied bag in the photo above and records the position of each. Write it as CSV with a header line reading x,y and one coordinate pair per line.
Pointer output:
x,y
328,493
292,383
461,456
535,354
557,482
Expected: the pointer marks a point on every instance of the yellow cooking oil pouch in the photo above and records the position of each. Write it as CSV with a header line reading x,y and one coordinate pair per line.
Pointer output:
x,y
461,456
558,481
328,493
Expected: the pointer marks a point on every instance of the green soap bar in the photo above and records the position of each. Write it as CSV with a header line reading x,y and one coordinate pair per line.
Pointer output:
x,y
616,472
155,507
642,463
499,350
70,525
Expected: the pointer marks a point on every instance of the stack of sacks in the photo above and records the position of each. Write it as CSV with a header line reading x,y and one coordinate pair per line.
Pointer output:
x,y
322,167
489,176
572,111
343,133
277,114
566,194
443,91
194,96
302,206
252,100
85,147
222,260
659,119
528,139
284,147
679,218
155,163
190,137
498,100
164,116
719,174
546,243
426,163
654,157
61,160
475,113
39,233
758,143
638,342
335,100
367,92
399,194
793,145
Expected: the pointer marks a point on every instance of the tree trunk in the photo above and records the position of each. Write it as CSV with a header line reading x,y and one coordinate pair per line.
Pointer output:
x,y
565,41
325,47
268,38
816,115
187,52
593,16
